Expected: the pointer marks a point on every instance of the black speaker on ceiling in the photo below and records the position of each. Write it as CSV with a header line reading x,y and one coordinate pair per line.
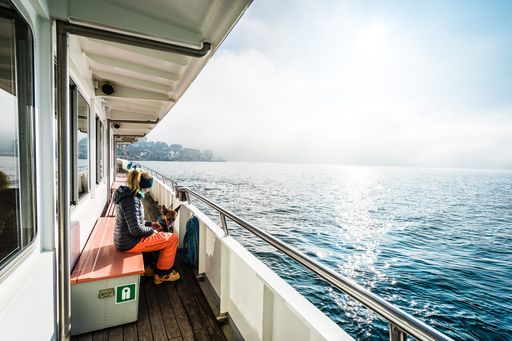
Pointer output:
x,y
107,89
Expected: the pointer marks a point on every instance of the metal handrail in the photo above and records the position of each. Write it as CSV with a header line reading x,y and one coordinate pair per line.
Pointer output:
x,y
123,38
401,323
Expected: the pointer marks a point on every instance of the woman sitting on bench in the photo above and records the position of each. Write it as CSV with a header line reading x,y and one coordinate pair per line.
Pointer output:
x,y
133,234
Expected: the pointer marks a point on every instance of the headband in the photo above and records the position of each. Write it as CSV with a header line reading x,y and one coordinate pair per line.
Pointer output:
x,y
146,182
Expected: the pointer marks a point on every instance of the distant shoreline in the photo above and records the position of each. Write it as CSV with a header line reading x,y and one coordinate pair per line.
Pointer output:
x,y
439,168
180,160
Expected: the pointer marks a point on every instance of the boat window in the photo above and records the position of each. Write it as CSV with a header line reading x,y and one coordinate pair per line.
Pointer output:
x,y
82,144
99,149
17,226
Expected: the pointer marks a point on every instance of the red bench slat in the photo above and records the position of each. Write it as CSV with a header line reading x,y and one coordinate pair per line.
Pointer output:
x,y
116,184
111,210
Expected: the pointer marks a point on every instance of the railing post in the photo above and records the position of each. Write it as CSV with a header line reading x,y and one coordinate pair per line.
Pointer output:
x,y
181,194
396,334
224,224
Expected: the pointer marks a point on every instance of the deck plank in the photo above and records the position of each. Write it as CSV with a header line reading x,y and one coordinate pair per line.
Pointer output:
x,y
143,324
193,312
155,315
179,312
151,210
100,335
115,334
202,306
130,332
171,325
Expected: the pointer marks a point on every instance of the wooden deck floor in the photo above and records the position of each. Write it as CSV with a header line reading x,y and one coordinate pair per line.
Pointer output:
x,y
169,311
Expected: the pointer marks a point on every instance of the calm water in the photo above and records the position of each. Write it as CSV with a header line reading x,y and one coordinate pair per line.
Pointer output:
x,y
437,243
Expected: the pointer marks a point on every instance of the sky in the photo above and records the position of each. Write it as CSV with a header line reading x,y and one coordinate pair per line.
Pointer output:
x,y
398,83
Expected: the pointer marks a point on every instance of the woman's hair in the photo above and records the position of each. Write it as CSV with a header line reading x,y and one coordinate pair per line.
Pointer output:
x,y
133,180
4,181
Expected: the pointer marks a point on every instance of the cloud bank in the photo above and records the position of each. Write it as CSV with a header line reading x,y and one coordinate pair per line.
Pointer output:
x,y
383,95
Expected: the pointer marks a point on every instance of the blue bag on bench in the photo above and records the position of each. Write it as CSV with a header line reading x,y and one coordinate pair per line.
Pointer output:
x,y
190,249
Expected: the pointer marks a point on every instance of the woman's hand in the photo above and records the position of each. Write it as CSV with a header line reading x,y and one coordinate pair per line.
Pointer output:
x,y
156,226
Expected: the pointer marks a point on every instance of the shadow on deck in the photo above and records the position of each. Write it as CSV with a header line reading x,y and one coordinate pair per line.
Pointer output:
x,y
168,311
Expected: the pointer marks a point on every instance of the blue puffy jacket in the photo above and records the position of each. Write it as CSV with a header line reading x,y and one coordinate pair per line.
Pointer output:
x,y
130,224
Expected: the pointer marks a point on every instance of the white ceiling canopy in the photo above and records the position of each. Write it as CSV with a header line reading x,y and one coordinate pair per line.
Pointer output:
x,y
138,85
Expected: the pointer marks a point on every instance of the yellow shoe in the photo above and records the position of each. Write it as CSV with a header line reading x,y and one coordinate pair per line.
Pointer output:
x,y
170,277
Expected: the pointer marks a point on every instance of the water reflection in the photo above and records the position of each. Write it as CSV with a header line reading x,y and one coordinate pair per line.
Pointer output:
x,y
435,243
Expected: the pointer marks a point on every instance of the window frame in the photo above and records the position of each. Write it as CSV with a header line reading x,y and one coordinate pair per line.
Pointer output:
x,y
100,142
24,76
74,92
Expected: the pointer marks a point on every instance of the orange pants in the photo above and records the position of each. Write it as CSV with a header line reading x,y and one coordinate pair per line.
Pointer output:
x,y
165,242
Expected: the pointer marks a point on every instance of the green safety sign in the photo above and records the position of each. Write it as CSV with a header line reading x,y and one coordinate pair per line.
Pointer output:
x,y
125,293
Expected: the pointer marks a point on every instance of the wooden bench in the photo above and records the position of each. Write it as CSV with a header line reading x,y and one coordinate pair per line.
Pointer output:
x,y
111,210
117,183
119,180
104,282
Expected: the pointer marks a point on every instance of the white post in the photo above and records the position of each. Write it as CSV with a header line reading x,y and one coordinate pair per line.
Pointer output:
x,y
157,194
183,216
268,313
201,268
167,198
160,192
225,265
